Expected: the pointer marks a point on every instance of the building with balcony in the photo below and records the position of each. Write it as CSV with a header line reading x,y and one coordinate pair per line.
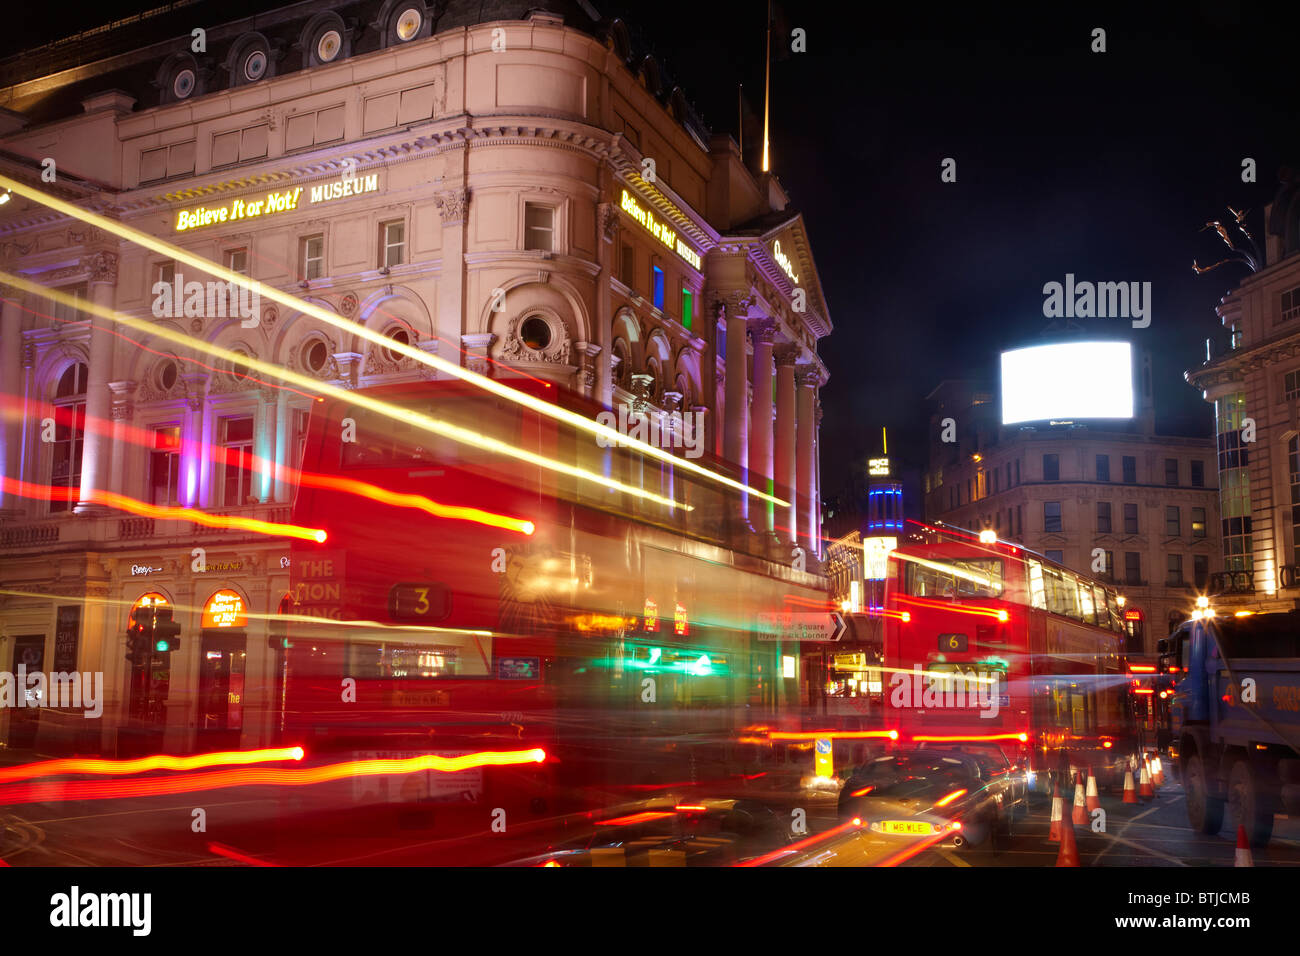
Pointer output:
x,y
509,186
1128,506
1254,386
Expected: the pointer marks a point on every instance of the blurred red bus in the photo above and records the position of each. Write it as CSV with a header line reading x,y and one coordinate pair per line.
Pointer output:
x,y
622,636
984,640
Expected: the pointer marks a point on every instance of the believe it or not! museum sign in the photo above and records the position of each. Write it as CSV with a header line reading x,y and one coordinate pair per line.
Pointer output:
x,y
660,230
274,203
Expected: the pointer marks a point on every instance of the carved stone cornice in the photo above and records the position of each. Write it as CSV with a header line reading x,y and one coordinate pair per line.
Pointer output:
x,y
607,214
808,376
101,266
764,330
453,204
734,304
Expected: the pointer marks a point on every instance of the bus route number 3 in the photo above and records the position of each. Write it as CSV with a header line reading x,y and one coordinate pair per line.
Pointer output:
x,y
952,643
417,602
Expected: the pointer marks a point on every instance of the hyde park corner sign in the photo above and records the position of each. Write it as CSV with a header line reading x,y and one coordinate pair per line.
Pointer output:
x,y
798,626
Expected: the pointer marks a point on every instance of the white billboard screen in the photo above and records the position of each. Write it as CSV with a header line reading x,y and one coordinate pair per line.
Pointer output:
x,y
1067,381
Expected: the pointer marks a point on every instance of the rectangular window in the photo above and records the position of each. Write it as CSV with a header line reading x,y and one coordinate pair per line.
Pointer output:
x,y
69,436
1291,386
1198,474
1198,522
1132,568
237,261
1174,577
1017,471
1051,468
1052,516
1290,305
1008,474
657,286
1171,471
165,465
313,257
994,475
1057,556
688,307
1108,558
392,244
1173,521
1130,470
1103,467
1130,519
165,272
627,266
1200,571
237,472
539,227
1103,517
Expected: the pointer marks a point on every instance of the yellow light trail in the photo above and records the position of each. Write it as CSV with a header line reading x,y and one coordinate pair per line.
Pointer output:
x,y
424,358
433,425
53,768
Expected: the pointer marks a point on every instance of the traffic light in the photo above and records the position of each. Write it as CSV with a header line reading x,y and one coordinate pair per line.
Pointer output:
x,y
165,631
139,633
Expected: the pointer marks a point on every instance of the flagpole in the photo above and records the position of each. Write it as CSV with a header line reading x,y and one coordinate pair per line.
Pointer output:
x,y
767,86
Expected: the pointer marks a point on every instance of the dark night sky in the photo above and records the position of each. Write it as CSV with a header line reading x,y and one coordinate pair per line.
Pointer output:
x,y
1103,165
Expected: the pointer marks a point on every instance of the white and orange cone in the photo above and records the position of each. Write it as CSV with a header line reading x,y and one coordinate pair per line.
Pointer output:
x,y
1145,790
1058,815
1243,849
1093,801
1069,852
1130,792
1157,771
1080,814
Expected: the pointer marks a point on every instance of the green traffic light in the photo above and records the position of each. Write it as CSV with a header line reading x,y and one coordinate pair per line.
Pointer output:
x,y
162,647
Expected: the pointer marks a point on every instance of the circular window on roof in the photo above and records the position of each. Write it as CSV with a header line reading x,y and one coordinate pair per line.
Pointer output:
x,y
408,23
316,356
183,84
328,46
255,65
535,332
167,375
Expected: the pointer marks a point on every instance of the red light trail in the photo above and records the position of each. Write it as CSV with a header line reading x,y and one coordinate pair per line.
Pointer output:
x,y
803,844
53,768
62,790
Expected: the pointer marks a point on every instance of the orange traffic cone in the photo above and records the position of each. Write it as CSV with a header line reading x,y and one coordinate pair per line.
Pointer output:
x,y
1080,814
1130,792
1058,815
1243,849
1069,852
1093,800
1157,771
1145,790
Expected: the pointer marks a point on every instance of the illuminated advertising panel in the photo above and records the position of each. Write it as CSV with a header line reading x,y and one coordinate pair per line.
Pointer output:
x,y
875,562
1067,381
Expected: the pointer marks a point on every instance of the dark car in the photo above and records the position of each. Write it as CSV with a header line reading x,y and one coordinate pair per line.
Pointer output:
x,y
959,799
703,832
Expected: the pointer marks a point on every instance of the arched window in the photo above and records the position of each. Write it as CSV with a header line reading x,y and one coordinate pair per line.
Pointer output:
x,y
69,434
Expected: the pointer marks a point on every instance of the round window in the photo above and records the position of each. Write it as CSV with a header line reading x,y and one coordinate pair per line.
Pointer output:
x,y
535,333
401,336
183,84
255,65
328,46
408,24
316,356
167,374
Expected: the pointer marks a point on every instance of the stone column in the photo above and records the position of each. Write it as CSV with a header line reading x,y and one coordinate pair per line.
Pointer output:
x,y
453,206
808,378
590,370
195,475
736,426
123,414
283,422
786,481
477,346
602,389
11,418
95,449
760,429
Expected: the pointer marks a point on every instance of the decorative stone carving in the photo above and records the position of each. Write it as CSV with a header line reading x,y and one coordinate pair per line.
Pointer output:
x,y
29,354
452,204
348,306
270,315
763,330
102,266
608,219
785,354
642,389
807,376
196,326
515,349
195,385
477,345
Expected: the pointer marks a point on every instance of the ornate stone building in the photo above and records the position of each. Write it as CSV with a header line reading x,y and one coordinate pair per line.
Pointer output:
x,y
510,188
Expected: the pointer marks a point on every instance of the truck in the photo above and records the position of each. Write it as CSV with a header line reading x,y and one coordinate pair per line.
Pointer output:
x,y
1234,718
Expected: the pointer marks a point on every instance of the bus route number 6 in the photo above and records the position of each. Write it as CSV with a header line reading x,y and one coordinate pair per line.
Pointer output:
x,y
952,643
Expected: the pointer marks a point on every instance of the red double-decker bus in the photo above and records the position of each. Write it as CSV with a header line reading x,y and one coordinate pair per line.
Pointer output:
x,y
480,602
984,640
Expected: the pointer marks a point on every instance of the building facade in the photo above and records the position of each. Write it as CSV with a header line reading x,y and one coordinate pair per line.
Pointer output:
x,y
518,195
1254,387
1134,508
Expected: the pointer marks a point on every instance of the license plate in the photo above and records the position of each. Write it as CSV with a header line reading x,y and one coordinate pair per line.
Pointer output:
x,y
906,827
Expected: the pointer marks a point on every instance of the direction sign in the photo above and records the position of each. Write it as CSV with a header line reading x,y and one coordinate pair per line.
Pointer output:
x,y
802,626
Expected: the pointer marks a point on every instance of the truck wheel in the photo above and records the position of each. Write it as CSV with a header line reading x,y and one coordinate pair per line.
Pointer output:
x,y
1251,804
1204,812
